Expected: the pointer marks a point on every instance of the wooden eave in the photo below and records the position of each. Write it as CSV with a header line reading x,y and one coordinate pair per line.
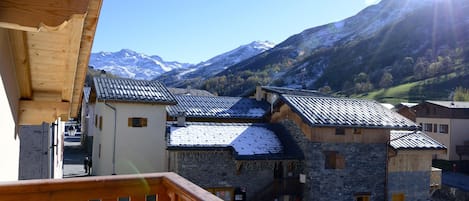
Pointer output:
x,y
51,43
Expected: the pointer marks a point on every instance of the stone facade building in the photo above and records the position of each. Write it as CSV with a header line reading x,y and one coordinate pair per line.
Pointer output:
x,y
219,144
350,149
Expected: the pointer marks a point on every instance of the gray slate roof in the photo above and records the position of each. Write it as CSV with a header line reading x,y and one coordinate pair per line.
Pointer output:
x,y
451,104
189,92
413,140
218,107
128,90
86,94
345,112
291,91
248,141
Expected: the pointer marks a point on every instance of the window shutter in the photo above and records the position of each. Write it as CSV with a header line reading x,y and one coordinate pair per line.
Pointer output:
x,y
100,122
129,122
144,122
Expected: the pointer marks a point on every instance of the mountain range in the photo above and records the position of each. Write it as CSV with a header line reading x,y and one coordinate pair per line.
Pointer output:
x,y
388,44
421,43
130,64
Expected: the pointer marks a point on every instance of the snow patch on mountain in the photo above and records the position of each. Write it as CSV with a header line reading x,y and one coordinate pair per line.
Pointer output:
x,y
216,64
130,64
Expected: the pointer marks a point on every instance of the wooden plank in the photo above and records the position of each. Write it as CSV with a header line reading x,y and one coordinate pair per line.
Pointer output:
x,y
22,66
34,15
36,112
89,30
76,29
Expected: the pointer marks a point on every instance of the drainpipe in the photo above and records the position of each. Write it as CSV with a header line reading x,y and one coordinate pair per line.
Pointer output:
x,y
51,151
114,140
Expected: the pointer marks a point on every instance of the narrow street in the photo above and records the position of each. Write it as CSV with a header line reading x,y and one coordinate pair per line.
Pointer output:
x,y
74,154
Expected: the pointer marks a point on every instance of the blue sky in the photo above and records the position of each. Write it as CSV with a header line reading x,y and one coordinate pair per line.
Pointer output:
x,y
196,30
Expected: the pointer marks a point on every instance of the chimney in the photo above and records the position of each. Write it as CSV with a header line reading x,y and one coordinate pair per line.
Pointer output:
x,y
181,119
258,93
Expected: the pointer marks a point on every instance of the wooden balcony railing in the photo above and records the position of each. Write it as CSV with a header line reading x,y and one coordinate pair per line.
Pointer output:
x,y
143,187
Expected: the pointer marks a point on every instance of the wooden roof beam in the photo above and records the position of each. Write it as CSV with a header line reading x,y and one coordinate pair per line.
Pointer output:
x,y
76,28
89,30
22,66
39,15
36,112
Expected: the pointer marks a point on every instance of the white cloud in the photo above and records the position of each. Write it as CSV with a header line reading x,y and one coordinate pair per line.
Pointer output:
x,y
371,2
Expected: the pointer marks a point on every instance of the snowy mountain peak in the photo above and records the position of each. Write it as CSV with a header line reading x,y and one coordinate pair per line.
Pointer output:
x,y
208,68
130,64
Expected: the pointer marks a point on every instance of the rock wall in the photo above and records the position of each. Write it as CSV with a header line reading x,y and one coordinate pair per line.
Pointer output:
x,y
364,171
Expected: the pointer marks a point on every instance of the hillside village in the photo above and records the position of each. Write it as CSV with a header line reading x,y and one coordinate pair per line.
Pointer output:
x,y
275,143
146,141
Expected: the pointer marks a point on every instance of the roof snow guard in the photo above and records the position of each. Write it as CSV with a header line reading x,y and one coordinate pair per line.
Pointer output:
x,y
128,90
219,107
411,140
248,141
345,112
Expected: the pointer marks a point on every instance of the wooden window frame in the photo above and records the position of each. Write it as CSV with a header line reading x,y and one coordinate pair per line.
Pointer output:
x,y
100,123
443,131
362,197
222,189
137,122
334,160
357,131
339,131
428,127
398,197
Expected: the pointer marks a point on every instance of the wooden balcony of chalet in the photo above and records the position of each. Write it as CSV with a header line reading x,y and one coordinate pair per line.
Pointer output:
x,y
166,186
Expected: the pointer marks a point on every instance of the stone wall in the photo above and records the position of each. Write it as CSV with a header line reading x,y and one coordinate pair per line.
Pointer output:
x,y
364,172
415,185
212,169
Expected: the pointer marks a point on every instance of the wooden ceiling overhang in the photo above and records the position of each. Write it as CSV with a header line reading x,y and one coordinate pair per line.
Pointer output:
x,y
51,43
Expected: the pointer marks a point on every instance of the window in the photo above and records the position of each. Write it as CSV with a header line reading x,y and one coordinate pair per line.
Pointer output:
x,y
340,131
398,197
100,122
435,128
357,131
123,199
150,198
225,194
96,121
334,160
137,122
444,128
427,127
362,196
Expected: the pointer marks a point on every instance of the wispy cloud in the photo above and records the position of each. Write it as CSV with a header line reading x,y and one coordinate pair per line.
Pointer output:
x,y
371,2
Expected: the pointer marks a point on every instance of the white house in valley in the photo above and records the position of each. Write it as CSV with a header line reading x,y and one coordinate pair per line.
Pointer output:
x,y
448,123
130,121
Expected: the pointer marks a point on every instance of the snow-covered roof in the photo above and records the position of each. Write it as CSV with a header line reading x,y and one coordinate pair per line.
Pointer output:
x,y
218,107
129,90
451,104
244,139
346,112
413,140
